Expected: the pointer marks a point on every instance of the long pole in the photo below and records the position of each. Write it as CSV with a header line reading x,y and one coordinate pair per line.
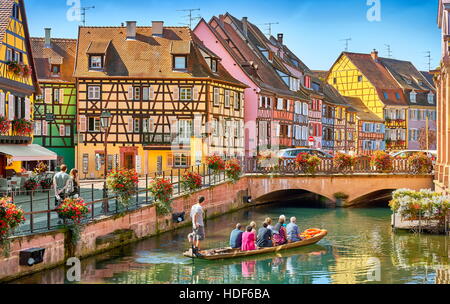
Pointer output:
x,y
427,133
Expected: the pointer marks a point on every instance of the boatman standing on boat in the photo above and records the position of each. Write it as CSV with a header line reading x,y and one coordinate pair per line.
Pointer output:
x,y
198,225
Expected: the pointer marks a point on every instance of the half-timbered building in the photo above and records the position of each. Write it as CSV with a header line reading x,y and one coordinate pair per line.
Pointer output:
x,y
364,76
272,101
55,109
18,83
171,100
370,129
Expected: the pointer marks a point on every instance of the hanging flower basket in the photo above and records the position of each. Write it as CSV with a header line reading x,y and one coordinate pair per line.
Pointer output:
x,y
5,126
11,217
233,170
191,181
22,127
72,211
162,191
216,163
123,183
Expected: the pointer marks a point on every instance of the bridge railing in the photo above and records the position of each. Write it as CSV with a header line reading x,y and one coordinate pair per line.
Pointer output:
x,y
327,166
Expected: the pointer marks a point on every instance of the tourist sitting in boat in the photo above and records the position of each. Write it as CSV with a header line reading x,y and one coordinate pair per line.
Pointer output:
x,y
269,223
293,234
280,234
236,237
264,239
248,240
253,225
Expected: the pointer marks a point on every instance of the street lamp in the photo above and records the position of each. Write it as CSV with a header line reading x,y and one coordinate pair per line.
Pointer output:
x,y
105,122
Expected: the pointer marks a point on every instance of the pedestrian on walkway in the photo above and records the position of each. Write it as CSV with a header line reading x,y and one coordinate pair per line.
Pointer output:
x,y
60,183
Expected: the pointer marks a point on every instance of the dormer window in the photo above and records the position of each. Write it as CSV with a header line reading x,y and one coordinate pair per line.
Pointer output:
x,y
56,70
397,96
360,78
413,96
179,62
96,62
431,98
214,65
386,96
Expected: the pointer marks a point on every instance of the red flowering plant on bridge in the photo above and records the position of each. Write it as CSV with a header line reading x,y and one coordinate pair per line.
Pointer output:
x,y
216,163
382,161
122,183
5,125
72,211
344,162
162,191
191,181
308,163
11,217
233,170
420,163
22,127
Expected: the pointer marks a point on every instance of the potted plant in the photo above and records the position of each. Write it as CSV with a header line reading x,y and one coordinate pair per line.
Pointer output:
x,y
381,161
11,217
233,170
191,181
123,183
46,183
162,191
5,125
22,127
420,163
31,185
308,163
341,199
344,162
72,211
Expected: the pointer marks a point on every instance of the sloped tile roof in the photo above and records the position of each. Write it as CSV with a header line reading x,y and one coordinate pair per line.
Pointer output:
x,y
362,110
6,7
380,77
62,52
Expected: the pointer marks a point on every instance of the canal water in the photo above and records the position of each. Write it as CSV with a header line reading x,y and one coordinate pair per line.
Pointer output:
x,y
360,248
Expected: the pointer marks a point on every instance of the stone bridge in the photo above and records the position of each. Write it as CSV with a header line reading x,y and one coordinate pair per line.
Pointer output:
x,y
266,188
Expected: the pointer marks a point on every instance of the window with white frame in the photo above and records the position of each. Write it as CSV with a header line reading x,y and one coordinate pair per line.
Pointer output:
x,y
237,100
38,128
96,62
184,129
216,97
180,160
185,94
94,92
227,98
413,97
431,98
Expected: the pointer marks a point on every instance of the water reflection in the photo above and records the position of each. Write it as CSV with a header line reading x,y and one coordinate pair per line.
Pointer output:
x,y
356,237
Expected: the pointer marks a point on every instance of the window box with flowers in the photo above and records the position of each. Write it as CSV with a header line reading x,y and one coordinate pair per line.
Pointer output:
x,y
11,217
5,126
19,69
22,127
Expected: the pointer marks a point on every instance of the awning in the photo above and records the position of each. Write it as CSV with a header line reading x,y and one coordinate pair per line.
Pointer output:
x,y
28,152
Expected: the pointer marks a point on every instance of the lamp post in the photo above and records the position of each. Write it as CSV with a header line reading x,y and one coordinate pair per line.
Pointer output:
x,y
105,122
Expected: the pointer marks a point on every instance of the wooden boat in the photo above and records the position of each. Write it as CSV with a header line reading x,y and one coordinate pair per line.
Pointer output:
x,y
229,253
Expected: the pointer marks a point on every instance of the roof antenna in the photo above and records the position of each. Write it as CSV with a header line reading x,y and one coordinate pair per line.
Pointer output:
x,y
347,41
83,13
388,50
269,27
189,16
428,56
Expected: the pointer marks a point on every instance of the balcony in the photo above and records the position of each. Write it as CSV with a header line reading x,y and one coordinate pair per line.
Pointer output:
x,y
17,132
161,139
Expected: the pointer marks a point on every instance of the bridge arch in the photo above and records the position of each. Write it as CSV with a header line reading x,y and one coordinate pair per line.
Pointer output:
x,y
306,197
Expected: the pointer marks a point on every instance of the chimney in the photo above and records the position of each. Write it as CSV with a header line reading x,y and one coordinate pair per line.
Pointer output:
x,y
157,28
48,35
245,26
374,55
280,38
131,30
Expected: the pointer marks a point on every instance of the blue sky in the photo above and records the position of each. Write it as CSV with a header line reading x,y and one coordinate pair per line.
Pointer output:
x,y
313,29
